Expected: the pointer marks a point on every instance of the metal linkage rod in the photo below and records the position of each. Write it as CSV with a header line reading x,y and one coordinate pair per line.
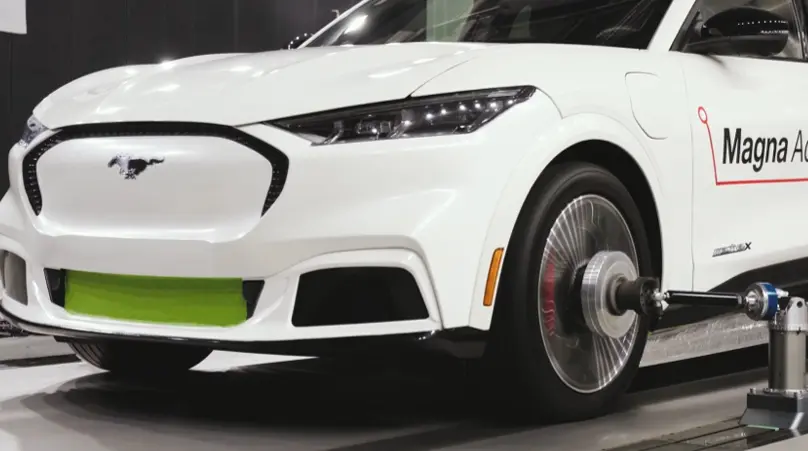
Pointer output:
x,y
642,295
729,300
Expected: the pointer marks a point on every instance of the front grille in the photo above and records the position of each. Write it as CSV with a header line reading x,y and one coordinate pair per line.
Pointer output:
x,y
279,161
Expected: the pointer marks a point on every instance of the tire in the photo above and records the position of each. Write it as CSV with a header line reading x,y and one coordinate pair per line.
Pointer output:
x,y
130,358
524,343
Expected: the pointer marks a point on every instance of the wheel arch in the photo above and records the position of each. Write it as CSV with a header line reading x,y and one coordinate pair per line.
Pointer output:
x,y
590,138
620,163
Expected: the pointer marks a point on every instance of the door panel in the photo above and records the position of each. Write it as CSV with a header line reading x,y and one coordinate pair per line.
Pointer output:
x,y
748,115
749,119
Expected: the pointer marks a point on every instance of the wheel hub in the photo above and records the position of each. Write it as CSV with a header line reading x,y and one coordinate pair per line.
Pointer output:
x,y
600,279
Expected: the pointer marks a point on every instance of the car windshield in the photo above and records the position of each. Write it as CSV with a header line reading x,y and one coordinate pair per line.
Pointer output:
x,y
614,23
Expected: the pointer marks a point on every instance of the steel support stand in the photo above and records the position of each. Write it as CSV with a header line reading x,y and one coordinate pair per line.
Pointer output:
x,y
784,403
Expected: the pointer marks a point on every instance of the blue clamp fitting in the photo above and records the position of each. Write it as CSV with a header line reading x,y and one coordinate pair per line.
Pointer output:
x,y
771,300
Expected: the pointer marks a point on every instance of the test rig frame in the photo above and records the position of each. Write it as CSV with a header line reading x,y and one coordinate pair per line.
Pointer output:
x,y
610,287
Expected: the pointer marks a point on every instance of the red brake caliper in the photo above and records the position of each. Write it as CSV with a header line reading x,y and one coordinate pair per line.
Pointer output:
x,y
548,307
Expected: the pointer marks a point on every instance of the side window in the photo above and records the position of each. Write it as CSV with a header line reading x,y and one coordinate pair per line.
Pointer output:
x,y
521,26
749,18
445,19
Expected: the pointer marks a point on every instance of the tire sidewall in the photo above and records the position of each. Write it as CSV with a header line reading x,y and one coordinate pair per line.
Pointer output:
x,y
521,296
137,358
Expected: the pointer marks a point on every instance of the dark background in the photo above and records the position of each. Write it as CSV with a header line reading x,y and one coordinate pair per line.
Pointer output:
x,y
70,38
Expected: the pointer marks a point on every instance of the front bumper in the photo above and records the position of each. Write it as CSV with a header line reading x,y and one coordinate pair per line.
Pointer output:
x,y
461,342
422,206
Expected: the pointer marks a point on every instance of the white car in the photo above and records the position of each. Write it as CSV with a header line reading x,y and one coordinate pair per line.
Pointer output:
x,y
418,172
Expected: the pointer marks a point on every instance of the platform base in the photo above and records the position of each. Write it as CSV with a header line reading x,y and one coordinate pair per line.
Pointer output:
x,y
788,411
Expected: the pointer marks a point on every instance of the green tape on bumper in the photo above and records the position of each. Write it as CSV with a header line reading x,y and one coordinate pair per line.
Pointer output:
x,y
165,300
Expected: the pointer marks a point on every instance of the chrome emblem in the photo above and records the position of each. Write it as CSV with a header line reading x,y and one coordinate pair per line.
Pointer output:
x,y
130,167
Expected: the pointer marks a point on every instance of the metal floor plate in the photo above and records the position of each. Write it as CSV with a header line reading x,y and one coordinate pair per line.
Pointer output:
x,y
724,435
232,403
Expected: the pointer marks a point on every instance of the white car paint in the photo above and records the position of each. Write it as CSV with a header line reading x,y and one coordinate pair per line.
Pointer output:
x,y
244,89
738,95
437,207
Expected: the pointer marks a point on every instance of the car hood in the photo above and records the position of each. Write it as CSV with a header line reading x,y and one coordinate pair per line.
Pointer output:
x,y
238,89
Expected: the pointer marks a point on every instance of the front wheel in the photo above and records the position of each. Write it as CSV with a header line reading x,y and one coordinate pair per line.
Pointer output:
x,y
541,344
130,358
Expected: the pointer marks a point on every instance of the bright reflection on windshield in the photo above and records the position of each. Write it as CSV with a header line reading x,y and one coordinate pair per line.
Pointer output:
x,y
356,23
615,23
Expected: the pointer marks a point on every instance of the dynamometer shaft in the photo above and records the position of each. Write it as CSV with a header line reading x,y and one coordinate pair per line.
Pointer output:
x,y
760,301
729,300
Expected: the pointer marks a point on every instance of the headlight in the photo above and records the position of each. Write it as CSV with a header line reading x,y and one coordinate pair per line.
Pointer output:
x,y
33,128
452,114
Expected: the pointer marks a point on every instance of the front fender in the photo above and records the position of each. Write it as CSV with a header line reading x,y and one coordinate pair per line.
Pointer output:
x,y
571,130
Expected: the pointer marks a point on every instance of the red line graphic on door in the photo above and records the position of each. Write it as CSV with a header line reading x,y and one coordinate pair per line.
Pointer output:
x,y
704,119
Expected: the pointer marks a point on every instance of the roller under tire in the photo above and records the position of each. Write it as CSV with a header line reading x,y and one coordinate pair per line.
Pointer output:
x,y
130,358
516,353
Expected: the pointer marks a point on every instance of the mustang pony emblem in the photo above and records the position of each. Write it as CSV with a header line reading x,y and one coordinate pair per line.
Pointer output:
x,y
130,167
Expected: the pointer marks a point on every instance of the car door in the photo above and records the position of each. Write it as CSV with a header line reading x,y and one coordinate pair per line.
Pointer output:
x,y
749,122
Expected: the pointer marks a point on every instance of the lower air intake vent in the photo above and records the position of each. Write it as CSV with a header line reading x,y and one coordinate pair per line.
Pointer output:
x,y
15,279
357,296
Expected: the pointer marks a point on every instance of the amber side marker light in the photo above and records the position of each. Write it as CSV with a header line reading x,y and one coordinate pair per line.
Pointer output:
x,y
493,272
